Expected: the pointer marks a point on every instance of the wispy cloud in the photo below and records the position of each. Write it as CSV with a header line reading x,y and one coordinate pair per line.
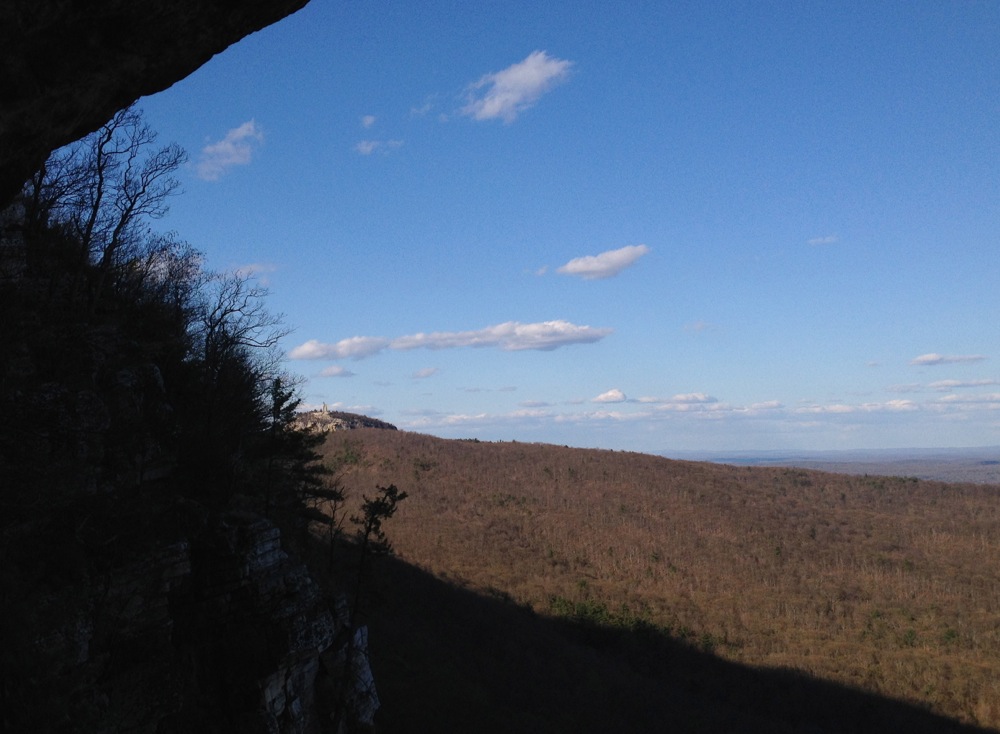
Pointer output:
x,y
952,384
988,401
893,406
605,265
691,402
256,270
690,398
367,147
235,149
507,93
827,240
367,121
510,336
699,326
425,373
425,107
336,371
927,360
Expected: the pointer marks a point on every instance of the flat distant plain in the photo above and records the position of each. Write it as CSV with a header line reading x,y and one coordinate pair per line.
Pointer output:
x,y
980,465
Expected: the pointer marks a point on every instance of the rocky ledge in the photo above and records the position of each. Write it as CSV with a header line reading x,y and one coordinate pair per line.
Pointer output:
x,y
328,421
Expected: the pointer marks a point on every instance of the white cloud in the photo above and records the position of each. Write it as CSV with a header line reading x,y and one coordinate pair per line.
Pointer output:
x,y
925,360
367,121
694,402
605,265
693,397
516,88
235,149
827,240
611,396
510,336
425,373
367,147
356,347
336,371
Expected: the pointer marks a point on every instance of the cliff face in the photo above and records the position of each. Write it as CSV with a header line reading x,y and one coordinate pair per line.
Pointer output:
x,y
67,67
192,621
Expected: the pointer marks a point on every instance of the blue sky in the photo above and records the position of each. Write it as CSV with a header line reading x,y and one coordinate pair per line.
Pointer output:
x,y
638,225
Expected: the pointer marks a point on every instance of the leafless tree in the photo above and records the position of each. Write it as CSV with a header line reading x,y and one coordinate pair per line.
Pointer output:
x,y
105,189
234,320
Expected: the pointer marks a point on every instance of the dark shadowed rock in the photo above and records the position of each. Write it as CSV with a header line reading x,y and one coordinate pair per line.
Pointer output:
x,y
67,67
159,616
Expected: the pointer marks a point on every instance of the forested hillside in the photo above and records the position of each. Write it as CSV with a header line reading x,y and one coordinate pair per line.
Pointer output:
x,y
885,584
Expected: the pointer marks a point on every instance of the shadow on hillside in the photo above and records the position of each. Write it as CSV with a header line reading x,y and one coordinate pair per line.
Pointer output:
x,y
450,660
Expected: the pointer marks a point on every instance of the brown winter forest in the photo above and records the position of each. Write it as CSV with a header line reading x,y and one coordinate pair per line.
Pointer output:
x,y
886,585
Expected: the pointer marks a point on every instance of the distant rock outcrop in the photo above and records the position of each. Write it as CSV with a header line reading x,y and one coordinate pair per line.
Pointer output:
x,y
66,68
328,421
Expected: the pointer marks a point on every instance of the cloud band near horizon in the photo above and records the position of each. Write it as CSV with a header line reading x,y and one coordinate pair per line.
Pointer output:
x,y
509,336
927,360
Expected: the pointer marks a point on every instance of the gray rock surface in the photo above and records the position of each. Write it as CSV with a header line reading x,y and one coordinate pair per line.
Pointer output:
x,y
328,421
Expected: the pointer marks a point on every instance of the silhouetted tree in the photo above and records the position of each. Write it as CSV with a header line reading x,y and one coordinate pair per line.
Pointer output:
x,y
103,191
126,357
